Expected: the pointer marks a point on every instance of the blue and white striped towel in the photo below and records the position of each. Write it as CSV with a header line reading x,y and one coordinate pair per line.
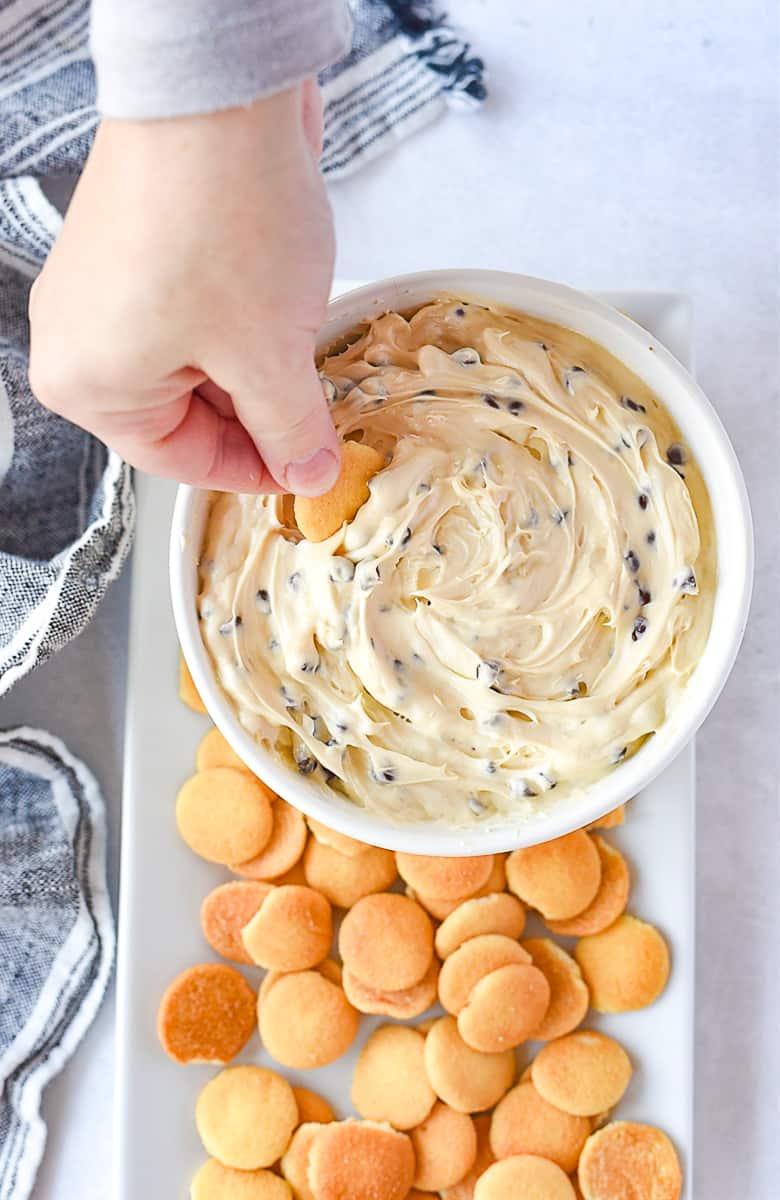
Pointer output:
x,y
66,511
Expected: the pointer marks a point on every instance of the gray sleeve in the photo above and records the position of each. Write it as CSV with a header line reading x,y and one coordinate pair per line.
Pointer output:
x,y
165,58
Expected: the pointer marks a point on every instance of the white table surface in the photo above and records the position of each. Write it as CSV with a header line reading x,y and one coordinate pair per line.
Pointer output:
x,y
630,145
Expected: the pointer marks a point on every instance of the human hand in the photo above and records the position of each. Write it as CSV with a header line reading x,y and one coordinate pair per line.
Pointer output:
x,y
176,315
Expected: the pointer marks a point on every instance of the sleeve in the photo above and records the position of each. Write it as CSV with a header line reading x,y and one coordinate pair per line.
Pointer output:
x,y
167,58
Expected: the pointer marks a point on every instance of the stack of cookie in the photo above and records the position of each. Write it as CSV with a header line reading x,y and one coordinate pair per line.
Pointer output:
x,y
442,1110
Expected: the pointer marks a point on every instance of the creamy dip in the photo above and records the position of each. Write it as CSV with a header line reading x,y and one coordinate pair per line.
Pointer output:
x,y
518,605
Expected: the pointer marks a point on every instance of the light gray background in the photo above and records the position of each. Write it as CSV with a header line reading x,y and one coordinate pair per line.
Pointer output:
x,y
630,145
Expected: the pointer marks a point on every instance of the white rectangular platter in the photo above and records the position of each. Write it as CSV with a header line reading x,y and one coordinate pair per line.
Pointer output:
x,y
163,883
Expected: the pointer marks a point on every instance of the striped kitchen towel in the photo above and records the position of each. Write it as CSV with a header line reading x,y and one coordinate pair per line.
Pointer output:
x,y
66,510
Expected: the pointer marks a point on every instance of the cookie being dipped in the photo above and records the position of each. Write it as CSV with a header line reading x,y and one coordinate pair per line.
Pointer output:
x,y
319,517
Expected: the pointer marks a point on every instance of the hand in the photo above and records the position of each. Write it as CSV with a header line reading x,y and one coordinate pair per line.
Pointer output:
x,y
175,317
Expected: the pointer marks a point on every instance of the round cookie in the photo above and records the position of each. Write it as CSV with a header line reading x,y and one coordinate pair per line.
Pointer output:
x,y
524,1177
559,878
568,991
358,1160
294,875
216,1182
206,1014
319,517
525,1123
584,1073
215,751
610,819
312,1107
245,1117
295,1160
389,1082
468,1080
224,913
306,1020
386,940
337,841
224,815
346,878
464,1190
445,1148
626,1161
498,912
471,962
188,693
402,1005
282,850
504,1008
292,930
444,878
609,901
625,966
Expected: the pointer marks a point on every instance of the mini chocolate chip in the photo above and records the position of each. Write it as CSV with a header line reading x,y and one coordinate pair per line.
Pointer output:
x,y
467,356
560,515
644,596
417,657
372,642
625,442
289,701
407,534
459,312
229,626
491,401
328,389
342,569
398,664
423,487
263,600
515,406
547,781
542,346
632,561
385,776
528,790
385,608
633,405
273,644
491,768
437,548
306,765
650,537
643,500
570,458
676,455
294,581
310,668
619,755
688,584
488,671
640,627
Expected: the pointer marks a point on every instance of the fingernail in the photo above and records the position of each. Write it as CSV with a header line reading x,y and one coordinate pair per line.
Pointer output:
x,y
313,475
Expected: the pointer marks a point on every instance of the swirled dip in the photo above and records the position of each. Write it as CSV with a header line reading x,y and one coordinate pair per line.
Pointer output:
x,y
518,605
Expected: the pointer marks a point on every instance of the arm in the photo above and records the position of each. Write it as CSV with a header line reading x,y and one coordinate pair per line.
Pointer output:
x,y
177,313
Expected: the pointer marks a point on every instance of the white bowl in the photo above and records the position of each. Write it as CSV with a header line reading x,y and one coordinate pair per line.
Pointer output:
x,y
701,430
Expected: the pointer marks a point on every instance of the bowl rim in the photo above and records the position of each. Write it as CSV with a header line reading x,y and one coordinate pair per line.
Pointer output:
x,y
733,586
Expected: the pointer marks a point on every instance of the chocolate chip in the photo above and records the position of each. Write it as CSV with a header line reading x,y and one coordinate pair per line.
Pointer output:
x,y
632,562
467,356
676,455
229,626
294,581
398,664
263,600
650,537
633,405
328,389
491,401
687,584
341,569
619,755
437,548
560,515
640,627
306,765
515,407
643,500
387,775
490,768
423,487
570,458
407,534
488,671
310,668
542,346
644,596
459,312
528,790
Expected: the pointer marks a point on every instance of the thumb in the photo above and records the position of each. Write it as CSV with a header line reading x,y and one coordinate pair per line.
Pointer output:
x,y
286,416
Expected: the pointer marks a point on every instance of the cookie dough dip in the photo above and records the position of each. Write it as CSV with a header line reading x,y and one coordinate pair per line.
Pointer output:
x,y
514,609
